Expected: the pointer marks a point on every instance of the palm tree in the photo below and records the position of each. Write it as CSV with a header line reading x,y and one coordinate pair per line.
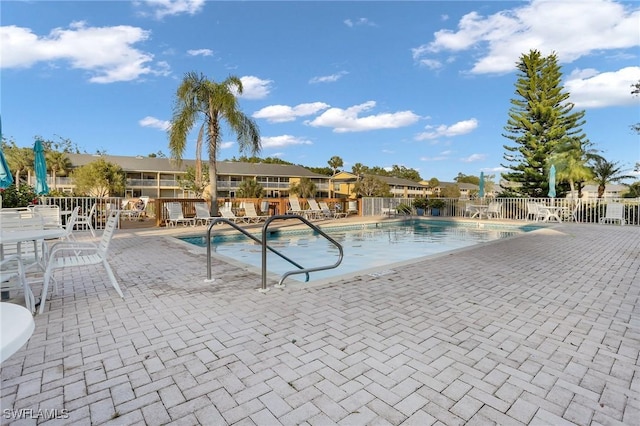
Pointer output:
x,y
572,163
58,162
606,172
214,103
305,188
250,188
19,159
335,163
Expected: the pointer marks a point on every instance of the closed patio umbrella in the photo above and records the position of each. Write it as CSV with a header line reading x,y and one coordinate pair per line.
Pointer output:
x,y
40,166
481,186
5,173
552,182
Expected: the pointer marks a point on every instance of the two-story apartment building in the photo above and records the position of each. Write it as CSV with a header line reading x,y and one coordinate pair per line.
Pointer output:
x,y
158,177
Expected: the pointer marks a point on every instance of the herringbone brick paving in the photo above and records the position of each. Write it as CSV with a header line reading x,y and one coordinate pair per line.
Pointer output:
x,y
539,329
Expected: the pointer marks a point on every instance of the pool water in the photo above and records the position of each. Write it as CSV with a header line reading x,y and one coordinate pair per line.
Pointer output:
x,y
365,247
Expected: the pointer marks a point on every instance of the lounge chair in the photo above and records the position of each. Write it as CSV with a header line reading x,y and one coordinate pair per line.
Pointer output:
x,y
174,210
203,216
138,210
251,215
294,207
614,213
328,213
314,211
67,254
230,215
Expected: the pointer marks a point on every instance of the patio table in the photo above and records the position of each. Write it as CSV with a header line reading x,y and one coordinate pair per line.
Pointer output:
x,y
481,209
16,327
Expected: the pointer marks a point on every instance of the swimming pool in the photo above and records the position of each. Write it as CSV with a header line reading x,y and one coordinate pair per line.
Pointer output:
x,y
365,246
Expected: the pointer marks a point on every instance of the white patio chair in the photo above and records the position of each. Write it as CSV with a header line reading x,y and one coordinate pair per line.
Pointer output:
x,y
537,211
230,215
203,217
251,215
33,254
294,207
174,210
13,278
328,213
50,215
494,210
68,254
614,213
87,219
314,211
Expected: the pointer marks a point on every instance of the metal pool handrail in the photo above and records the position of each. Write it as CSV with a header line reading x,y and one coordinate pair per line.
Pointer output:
x,y
301,271
253,237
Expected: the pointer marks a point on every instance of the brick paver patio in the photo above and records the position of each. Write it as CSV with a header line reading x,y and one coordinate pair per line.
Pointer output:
x,y
539,329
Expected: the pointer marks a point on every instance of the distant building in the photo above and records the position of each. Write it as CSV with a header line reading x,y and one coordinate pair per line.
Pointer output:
x,y
158,177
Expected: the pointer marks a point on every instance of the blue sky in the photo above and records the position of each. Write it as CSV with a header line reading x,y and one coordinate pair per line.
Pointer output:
x,y
421,84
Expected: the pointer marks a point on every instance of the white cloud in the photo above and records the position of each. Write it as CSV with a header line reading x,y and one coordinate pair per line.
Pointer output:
x,y
106,52
284,113
254,87
348,120
473,157
284,140
359,22
162,8
155,123
457,129
571,28
436,158
200,52
589,89
226,145
328,78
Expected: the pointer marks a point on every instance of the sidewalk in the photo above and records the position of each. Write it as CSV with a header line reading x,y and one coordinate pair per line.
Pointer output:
x,y
539,329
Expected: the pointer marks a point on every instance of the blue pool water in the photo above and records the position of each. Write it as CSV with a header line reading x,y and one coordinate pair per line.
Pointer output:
x,y
373,246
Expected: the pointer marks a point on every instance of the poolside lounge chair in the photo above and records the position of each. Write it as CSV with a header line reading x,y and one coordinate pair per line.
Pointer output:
x,y
294,207
615,213
67,254
314,211
230,215
138,210
174,210
203,217
251,215
328,213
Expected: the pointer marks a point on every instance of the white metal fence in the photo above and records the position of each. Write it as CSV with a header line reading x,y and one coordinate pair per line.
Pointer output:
x,y
582,211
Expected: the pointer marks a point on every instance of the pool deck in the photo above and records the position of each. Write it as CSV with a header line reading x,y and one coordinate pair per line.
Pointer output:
x,y
541,329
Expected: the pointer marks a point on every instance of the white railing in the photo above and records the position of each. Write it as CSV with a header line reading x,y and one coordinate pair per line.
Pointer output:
x,y
582,211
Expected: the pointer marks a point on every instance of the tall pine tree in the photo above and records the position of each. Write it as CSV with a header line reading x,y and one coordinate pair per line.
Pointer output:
x,y
541,123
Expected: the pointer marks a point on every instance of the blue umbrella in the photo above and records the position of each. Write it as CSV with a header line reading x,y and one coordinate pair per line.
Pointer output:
x,y
40,166
5,173
481,186
552,181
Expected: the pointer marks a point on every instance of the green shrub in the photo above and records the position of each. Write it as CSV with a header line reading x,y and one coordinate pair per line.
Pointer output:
x,y
12,197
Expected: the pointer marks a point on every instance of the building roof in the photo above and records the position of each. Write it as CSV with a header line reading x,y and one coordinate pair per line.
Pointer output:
x,y
166,165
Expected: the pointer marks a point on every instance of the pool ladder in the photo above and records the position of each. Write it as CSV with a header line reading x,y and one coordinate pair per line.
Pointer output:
x,y
265,247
